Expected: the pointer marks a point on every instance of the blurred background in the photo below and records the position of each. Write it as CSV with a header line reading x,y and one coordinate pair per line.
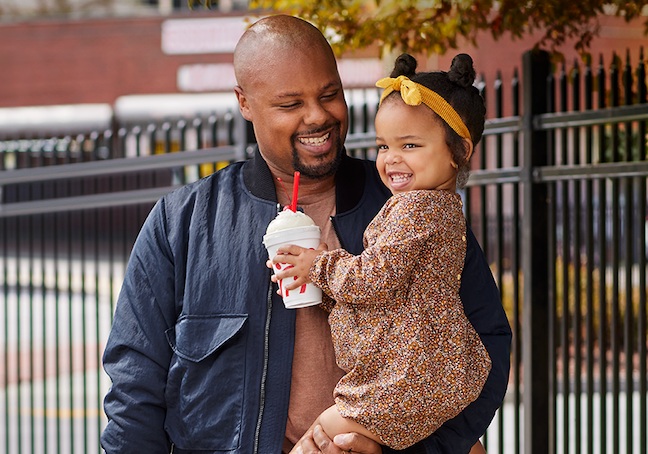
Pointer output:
x,y
106,105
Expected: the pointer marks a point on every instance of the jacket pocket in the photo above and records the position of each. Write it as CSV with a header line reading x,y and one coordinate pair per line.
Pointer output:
x,y
206,381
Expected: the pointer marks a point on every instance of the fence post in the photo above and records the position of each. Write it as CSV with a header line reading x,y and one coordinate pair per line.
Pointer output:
x,y
536,68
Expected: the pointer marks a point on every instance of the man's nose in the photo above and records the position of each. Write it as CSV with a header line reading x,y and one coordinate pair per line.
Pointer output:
x,y
316,114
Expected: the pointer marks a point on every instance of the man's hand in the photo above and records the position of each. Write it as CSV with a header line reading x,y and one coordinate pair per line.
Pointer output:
x,y
315,441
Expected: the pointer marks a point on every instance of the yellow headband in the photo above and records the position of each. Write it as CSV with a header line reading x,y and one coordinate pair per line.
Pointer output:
x,y
414,94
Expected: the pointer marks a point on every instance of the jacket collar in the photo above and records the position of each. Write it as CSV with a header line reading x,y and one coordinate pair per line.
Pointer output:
x,y
349,180
257,177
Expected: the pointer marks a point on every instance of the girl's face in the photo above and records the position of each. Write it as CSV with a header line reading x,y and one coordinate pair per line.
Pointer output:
x,y
412,150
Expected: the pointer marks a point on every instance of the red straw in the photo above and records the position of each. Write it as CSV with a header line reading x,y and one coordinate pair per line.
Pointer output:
x,y
293,202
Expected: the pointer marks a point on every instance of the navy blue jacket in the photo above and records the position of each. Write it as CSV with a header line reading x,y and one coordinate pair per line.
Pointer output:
x,y
201,346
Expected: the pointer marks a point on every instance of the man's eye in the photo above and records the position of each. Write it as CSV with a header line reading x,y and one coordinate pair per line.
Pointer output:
x,y
330,95
289,105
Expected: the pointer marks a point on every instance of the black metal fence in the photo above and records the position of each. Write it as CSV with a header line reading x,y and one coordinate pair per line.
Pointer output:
x,y
557,199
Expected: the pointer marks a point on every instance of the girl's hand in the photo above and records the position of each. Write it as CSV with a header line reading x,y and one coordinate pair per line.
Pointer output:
x,y
299,260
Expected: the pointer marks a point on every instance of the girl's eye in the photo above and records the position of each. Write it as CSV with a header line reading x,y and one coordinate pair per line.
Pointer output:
x,y
409,145
382,147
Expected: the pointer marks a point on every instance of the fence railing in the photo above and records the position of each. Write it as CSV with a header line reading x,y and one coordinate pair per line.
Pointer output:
x,y
557,199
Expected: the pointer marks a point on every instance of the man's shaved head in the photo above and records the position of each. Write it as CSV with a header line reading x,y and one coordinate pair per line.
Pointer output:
x,y
289,88
271,37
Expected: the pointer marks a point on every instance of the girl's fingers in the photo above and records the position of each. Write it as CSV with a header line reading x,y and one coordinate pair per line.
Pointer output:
x,y
292,285
283,258
290,249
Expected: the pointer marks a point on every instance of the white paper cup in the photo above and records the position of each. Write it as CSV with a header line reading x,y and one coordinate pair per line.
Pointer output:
x,y
308,237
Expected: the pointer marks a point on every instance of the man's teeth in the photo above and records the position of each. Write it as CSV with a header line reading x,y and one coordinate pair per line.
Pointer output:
x,y
400,178
315,140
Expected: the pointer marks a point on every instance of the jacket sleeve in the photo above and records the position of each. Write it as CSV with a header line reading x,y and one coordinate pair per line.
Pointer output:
x,y
137,353
483,308
387,262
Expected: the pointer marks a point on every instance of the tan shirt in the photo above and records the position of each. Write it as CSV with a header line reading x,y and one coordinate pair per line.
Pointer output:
x,y
314,372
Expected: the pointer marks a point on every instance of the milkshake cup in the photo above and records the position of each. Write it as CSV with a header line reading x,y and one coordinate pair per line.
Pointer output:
x,y
298,229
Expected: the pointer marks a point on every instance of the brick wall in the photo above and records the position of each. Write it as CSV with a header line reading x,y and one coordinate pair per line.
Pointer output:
x,y
98,60
89,61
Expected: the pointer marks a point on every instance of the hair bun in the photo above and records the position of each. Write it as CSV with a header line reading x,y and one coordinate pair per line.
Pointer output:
x,y
462,71
405,65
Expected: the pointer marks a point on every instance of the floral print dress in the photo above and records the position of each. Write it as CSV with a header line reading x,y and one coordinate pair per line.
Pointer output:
x,y
412,359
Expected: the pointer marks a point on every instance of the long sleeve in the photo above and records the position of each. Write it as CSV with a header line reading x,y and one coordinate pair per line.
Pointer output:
x,y
137,353
393,243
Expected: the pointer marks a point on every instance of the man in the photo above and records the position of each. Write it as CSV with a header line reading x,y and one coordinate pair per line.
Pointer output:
x,y
203,356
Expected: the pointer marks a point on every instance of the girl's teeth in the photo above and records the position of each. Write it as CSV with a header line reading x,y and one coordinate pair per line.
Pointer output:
x,y
315,140
399,178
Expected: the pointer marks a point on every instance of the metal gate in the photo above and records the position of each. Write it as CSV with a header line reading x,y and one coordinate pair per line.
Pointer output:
x,y
557,199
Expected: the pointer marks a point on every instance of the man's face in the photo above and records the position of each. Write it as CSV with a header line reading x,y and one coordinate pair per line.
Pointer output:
x,y
296,104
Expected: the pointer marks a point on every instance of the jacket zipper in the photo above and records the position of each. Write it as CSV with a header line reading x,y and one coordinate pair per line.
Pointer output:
x,y
266,343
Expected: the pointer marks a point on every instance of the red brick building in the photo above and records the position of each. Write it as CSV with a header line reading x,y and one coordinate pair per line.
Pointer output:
x,y
47,62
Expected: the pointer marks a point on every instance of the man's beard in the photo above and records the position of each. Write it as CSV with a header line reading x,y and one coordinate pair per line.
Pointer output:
x,y
323,170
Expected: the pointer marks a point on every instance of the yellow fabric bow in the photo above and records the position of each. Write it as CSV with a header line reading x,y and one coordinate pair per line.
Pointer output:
x,y
414,94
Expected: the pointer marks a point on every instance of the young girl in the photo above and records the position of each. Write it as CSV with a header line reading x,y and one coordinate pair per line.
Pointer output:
x,y
412,359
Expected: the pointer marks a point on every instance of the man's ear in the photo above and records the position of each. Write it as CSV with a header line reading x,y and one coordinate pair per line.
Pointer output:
x,y
243,103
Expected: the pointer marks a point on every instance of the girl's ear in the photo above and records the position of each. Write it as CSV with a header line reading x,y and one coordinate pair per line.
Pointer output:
x,y
469,149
